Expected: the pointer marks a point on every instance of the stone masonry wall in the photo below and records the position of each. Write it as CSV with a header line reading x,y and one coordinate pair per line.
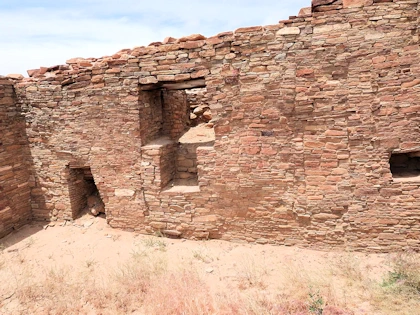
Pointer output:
x,y
306,114
152,113
176,113
15,207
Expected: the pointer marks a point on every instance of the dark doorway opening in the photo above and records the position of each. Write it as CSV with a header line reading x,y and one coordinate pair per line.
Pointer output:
x,y
405,165
84,195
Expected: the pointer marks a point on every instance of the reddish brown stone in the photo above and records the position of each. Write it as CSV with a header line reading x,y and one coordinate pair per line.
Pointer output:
x,y
249,29
308,116
33,72
268,151
15,76
410,83
193,37
85,64
316,3
199,74
169,40
253,99
193,44
305,11
356,3
304,72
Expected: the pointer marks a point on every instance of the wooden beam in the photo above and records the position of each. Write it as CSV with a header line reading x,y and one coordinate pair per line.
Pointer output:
x,y
191,84
185,84
149,87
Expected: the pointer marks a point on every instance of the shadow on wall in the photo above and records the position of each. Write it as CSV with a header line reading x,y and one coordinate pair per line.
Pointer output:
x,y
83,193
20,192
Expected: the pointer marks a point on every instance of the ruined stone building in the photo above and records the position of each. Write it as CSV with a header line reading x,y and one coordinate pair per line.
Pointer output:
x,y
305,132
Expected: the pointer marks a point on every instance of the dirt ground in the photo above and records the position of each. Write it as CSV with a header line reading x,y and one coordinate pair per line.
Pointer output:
x,y
49,269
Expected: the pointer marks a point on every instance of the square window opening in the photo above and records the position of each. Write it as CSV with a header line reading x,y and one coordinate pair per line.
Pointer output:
x,y
405,166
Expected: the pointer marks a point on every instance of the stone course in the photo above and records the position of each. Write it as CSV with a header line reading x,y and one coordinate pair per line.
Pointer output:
x,y
15,207
306,114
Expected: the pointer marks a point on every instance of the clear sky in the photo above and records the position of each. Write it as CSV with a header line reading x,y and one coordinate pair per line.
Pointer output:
x,y
36,33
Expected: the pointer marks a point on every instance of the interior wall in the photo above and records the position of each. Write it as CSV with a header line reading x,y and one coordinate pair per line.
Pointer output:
x,y
15,200
151,115
175,113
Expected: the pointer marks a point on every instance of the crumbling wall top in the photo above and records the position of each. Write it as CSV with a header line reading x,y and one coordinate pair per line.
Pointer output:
x,y
315,14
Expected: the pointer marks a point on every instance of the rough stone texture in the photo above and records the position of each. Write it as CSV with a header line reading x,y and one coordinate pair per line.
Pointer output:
x,y
356,3
305,11
15,207
306,115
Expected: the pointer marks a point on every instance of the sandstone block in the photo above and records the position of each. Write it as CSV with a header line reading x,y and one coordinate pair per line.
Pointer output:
x,y
289,31
15,76
148,80
316,3
410,84
304,72
158,225
124,192
325,216
331,28
207,115
169,40
192,37
356,3
174,233
305,11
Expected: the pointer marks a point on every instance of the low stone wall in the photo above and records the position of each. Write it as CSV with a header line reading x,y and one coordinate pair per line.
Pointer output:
x,y
15,207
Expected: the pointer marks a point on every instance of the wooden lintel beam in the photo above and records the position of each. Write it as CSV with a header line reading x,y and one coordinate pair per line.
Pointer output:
x,y
184,84
149,87
174,85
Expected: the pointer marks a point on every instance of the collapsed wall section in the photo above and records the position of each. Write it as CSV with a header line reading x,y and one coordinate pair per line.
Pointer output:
x,y
15,207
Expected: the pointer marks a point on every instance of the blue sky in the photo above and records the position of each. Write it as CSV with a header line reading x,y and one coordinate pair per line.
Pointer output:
x,y
45,33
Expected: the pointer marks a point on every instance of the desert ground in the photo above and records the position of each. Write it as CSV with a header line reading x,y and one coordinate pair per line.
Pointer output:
x,y
86,267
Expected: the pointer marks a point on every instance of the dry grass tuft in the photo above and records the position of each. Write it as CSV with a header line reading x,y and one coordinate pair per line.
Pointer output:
x,y
179,293
146,283
399,292
251,274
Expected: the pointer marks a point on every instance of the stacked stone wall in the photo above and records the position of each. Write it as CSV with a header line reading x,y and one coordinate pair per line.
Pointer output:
x,y
152,114
15,207
70,124
306,114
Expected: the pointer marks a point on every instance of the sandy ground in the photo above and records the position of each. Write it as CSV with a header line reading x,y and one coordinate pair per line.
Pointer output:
x,y
201,133
89,244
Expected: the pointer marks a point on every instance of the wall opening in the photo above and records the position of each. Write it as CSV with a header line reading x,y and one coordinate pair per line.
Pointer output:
x,y
84,195
405,165
176,120
165,111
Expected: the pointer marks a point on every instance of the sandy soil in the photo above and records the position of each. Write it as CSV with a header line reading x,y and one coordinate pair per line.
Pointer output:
x,y
89,244
201,133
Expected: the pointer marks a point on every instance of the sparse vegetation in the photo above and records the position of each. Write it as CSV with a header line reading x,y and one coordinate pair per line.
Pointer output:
x,y
155,242
251,273
399,291
405,274
201,255
115,237
90,263
147,280
316,303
